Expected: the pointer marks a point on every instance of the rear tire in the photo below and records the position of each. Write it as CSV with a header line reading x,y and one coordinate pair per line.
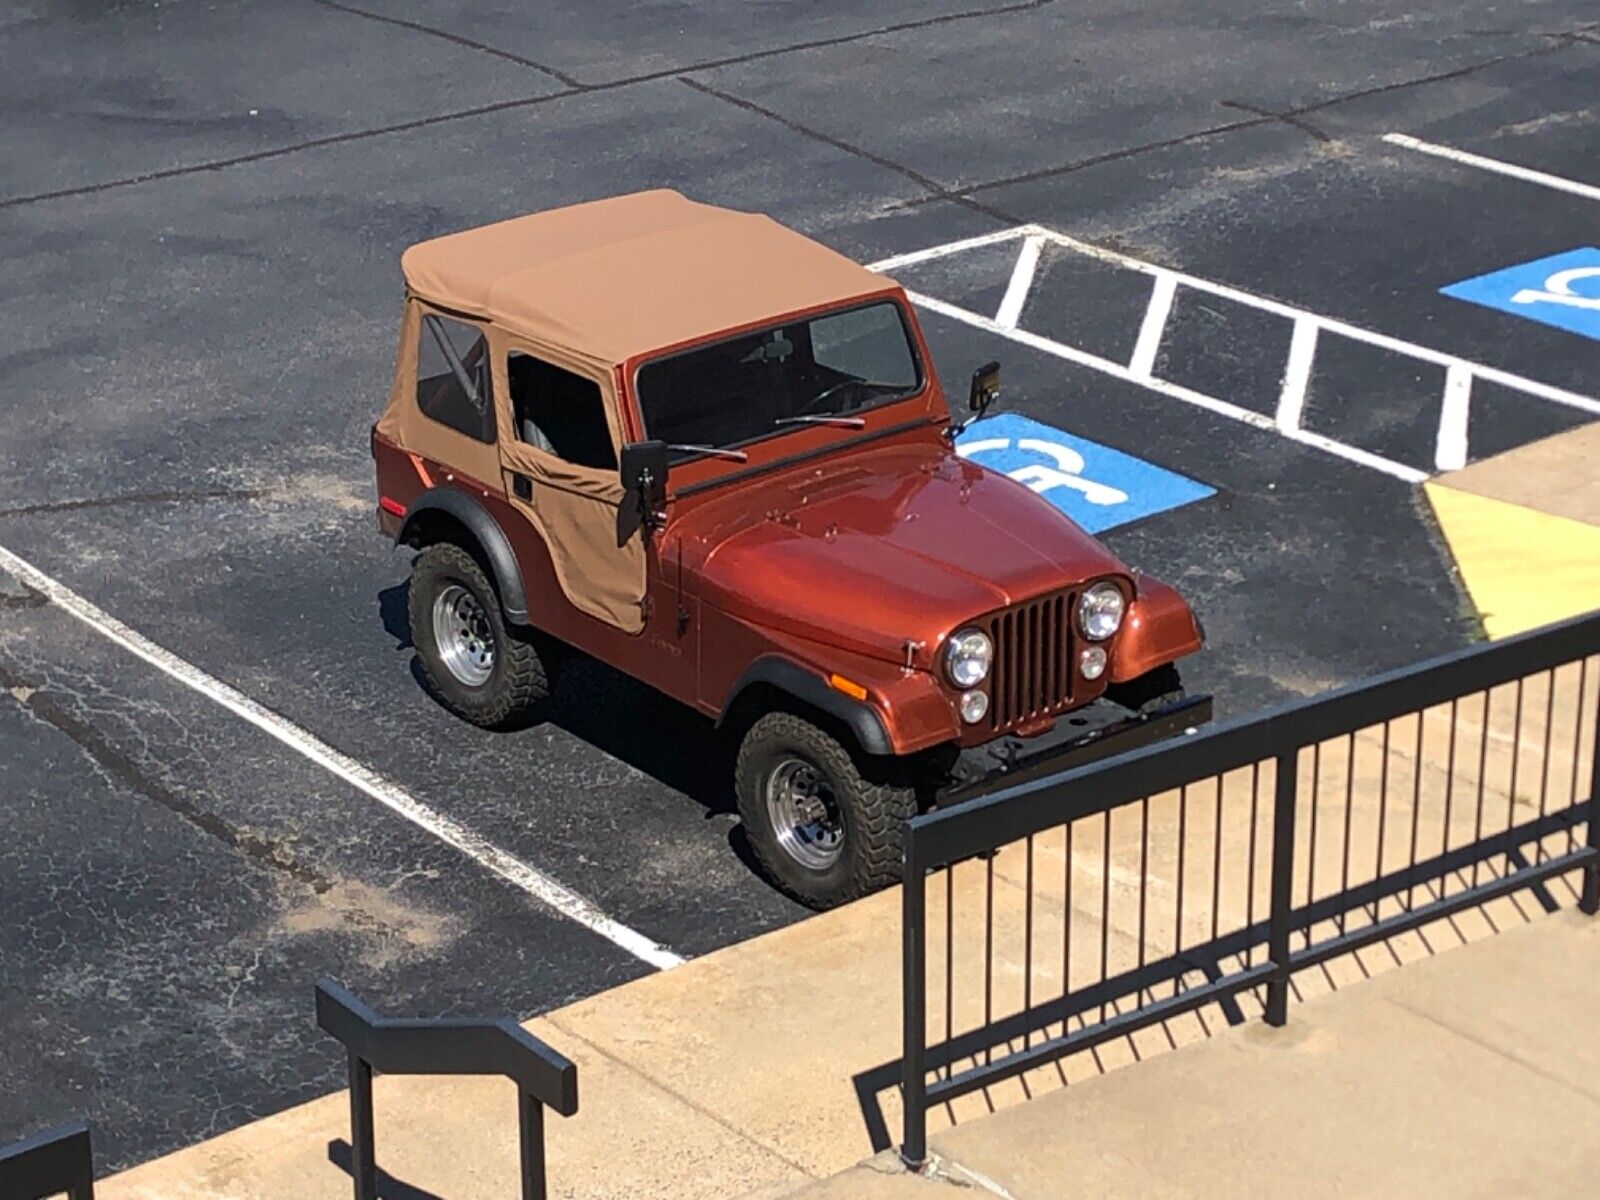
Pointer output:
x,y
480,668
822,831
1149,692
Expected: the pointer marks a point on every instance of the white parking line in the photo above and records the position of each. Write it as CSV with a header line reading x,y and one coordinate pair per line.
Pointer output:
x,y
1297,377
1309,330
1450,448
507,866
1587,190
1010,311
1143,362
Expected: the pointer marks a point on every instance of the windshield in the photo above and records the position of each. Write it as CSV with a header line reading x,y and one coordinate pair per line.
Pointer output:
x,y
824,370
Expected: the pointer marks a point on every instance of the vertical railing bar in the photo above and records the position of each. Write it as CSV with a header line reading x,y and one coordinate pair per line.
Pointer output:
x,y
363,1156
1216,867
1545,760
1183,840
1066,922
913,998
1589,903
949,960
1027,947
1449,786
1105,906
1577,748
1416,807
1516,755
531,1122
1383,821
1250,870
1483,771
988,951
83,1184
1316,802
1144,884
1285,786
1349,820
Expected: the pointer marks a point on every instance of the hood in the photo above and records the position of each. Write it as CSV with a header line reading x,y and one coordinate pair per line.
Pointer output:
x,y
887,545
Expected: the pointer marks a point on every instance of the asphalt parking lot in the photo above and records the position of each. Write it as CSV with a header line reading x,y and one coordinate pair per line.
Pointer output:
x,y
201,213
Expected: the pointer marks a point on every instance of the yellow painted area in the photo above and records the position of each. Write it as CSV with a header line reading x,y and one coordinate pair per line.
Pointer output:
x,y
1522,568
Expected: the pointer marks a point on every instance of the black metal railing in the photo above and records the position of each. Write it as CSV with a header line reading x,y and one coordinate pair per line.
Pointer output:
x,y
445,1046
1193,876
56,1162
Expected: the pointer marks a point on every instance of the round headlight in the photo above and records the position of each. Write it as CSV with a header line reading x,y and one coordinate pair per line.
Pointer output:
x,y
968,655
1100,610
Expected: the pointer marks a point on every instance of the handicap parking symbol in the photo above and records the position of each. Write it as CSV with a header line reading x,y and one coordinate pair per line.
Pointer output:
x,y
1561,290
1098,487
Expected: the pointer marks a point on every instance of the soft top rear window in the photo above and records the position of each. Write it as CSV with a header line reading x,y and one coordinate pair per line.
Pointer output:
x,y
774,380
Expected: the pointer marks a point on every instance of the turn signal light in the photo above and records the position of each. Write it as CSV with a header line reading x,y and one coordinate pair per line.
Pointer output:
x,y
848,686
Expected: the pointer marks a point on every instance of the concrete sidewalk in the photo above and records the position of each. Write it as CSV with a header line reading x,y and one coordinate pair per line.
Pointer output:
x,y
739,1072
1473,1074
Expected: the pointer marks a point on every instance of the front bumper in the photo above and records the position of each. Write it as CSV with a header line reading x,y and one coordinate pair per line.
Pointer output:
x,y
1095,731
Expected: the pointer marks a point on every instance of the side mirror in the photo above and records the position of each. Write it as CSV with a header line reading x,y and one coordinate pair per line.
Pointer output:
x,y
644,473
985,387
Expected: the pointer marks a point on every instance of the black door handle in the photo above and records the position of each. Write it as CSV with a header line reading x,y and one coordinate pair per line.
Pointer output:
x,y
521,486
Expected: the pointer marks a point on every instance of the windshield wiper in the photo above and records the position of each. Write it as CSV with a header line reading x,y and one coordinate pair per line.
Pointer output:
x,y
683,448
823,419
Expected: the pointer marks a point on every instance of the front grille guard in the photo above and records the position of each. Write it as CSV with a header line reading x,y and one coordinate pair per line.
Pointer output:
x,y
1032,677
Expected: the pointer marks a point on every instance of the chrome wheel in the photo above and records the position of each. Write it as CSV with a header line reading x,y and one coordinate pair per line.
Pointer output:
x,y
462,632
804,814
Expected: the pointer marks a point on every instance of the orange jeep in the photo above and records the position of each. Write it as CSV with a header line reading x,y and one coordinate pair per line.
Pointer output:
x,y
708,451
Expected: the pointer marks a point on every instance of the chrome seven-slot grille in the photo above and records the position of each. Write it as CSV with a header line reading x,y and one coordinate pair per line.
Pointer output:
x,y
1032,673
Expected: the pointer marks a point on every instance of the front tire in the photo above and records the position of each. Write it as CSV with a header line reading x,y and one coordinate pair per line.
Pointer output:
x,y
822,831
479,668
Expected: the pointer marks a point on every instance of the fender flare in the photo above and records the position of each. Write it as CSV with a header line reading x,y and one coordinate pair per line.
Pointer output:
x,y
794,680
491,538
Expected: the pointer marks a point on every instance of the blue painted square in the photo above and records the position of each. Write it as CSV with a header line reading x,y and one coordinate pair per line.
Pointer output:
x,y
1562,290
1098,487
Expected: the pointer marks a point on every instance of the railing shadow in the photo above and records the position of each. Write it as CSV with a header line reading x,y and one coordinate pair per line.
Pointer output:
x,y
1217,960
342,1156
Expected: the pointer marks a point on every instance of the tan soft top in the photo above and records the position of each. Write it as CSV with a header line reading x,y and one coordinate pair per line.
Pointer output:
x,y
616,278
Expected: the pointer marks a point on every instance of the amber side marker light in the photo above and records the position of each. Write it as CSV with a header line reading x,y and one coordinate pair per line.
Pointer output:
x,y
849,687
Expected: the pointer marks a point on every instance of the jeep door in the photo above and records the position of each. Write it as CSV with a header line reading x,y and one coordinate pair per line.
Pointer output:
x,y
560,464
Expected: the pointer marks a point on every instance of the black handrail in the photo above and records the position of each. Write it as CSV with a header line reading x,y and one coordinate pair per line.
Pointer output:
x,y
445,1046
56,1162
939,839
1010,814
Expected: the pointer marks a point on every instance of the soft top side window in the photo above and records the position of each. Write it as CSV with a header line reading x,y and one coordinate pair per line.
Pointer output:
x,y
559,412
453,384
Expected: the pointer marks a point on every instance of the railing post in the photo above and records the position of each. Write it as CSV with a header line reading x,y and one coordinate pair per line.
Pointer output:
x,y
914,999
1283,805
1589,902
82,1185
530,1115
363,1157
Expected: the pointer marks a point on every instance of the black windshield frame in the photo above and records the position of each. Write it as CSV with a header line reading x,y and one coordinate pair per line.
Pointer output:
x,y
868,404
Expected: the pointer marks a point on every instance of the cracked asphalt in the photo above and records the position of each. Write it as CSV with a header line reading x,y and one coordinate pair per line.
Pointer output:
x,y
202,207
